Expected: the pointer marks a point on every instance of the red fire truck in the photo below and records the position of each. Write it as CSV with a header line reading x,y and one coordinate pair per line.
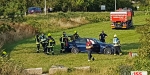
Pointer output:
x,y
121,18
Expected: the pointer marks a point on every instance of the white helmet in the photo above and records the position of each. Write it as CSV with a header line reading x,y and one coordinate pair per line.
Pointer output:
x,y
115,35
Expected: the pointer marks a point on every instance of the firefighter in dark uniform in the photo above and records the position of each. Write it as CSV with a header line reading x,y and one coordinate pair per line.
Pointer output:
x,y
50,44
102,36
75,35
43,42
64,42
37,40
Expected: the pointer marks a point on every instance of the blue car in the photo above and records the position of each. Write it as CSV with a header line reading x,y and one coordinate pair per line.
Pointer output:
x,y
32,10
79,45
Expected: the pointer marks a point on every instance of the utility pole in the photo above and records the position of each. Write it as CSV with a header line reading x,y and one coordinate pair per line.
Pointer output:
x,y
45,7
115,5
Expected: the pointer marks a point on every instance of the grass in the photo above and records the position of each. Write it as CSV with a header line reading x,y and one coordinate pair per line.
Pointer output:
x,y
24,51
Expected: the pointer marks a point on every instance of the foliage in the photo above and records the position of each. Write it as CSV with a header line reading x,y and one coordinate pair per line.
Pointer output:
x,y
61,5
142,62
13,10
96,17
59,21
5,27
144,30
9,67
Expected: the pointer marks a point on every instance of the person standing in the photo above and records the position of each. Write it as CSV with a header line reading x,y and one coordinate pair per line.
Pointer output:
x,y
117,46
37,40
102,36
75,35
43,41
89,47
64,42
50,44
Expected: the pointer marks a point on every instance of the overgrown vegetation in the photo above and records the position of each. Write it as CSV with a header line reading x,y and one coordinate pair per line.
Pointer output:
x,y
59,21
9,67
142,62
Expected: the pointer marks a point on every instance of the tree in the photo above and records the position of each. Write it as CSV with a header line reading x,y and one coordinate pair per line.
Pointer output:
x,y
11,8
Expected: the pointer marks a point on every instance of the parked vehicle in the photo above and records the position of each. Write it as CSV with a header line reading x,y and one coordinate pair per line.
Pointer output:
x,y
121,18
32,10
79,45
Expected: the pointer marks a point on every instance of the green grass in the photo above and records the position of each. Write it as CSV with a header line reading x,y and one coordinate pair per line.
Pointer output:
x,y
25,51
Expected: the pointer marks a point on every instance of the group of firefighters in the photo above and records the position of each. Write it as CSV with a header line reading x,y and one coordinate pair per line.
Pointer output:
x,y
48,42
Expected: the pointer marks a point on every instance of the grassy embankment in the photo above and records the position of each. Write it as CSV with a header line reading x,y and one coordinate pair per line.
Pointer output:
x,y
24,51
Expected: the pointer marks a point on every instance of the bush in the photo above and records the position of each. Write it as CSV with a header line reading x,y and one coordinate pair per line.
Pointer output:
x,y
142,62
98,17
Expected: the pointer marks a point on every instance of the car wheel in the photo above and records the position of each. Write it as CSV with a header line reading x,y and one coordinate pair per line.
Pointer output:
x,y
107,51
75,50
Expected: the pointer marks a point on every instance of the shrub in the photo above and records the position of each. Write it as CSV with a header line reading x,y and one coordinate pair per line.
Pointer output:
x,y
142,62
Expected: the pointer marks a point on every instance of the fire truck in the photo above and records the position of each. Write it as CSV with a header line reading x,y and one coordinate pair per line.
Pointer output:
x,y
121,18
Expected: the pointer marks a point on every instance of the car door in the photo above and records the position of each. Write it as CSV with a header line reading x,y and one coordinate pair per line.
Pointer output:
x,y
96,46
81,44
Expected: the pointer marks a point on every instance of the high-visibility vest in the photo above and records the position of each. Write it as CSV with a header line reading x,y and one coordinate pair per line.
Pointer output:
x,y
50,43
62,39
116,42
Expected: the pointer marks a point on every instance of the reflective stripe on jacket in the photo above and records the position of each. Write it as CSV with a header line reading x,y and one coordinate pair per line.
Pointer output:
x,y
116,41
51,42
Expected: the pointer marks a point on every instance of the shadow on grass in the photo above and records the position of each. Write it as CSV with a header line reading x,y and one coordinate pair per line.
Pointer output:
x,y
9,47
131,28
126,48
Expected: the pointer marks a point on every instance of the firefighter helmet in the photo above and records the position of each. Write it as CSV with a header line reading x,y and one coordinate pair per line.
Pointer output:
x,y
115,35
75,31
4,52
49,34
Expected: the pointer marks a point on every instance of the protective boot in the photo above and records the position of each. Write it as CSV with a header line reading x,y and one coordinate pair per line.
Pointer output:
x,y
61,51
52,52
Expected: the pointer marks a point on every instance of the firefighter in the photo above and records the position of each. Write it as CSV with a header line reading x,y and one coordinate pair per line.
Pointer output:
x,y
64,42
50,44
117,46
37,40
43,41
102,36
75,35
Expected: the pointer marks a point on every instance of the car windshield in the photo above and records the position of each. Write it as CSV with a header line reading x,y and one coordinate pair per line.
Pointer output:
x,y
34,8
